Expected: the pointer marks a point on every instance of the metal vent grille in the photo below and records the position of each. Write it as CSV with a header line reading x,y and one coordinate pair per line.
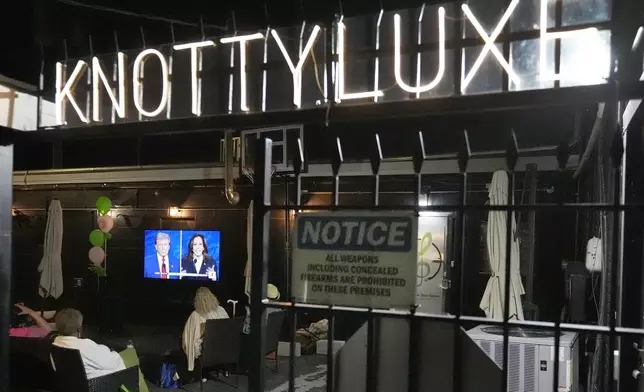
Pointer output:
x,y
498,354
529,368
487,347
514,368
522,360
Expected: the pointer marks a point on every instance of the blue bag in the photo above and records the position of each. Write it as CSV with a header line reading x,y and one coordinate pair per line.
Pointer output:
x,y
169,376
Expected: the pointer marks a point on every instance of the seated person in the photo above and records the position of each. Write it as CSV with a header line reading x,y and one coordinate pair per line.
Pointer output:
x,y
206,308
272,294
27,323
98,360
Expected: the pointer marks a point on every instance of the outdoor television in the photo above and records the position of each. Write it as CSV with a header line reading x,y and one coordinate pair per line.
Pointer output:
x,y
181,254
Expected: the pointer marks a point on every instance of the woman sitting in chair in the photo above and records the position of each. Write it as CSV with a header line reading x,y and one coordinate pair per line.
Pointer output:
x,y
206,308
28,323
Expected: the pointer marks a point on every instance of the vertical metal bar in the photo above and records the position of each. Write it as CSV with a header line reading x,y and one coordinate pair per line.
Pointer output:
x,y
562,160
617,154
457,275
505,82
558,24
372,362
415,341
259,266
6,194
531,178
287,232
41,87
336,163
330,59
458,51
298,161
415,338
511,158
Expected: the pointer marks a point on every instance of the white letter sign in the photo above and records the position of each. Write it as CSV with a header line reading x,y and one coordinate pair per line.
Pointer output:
x,y
242,39
544,75
137,82
65,90
489,44
341,68
441,56
98,77
296,71
195,70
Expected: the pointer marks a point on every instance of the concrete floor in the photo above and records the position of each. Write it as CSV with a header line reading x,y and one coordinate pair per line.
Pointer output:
x,y
310,370
310,377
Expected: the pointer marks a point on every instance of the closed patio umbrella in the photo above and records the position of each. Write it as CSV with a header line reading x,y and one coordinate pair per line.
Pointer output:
x,y
50,268
249,250
494,295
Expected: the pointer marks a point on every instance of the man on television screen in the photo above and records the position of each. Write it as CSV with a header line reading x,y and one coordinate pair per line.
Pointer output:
x,y
161,264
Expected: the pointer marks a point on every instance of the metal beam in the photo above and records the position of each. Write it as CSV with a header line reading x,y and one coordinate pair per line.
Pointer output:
x,y
422,108
632,107
142,174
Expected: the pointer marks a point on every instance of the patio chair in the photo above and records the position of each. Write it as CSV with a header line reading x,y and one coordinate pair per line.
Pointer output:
x,y
220,347
71,375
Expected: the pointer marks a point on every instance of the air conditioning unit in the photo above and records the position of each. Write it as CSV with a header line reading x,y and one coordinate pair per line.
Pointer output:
x,y
531,357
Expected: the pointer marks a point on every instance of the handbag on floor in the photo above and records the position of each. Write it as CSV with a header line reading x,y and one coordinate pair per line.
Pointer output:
x,y
169,376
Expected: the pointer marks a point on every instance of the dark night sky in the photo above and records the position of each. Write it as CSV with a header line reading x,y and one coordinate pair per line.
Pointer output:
x,y
53,22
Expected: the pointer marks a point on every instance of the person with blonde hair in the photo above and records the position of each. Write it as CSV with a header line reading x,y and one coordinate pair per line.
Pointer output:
x,y
206,308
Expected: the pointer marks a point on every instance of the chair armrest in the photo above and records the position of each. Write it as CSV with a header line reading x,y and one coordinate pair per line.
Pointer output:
x,y
112,382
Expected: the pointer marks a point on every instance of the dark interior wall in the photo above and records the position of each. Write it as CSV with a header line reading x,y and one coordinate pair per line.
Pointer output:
x,y
205,207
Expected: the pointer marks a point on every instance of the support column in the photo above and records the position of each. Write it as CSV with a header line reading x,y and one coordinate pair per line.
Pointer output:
x,y
6,195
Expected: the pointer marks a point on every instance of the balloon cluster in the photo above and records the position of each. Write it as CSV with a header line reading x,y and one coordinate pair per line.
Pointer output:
x,y
98,238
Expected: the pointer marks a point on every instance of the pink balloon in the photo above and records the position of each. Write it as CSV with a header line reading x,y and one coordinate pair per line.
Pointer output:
x,y
96,255
105,223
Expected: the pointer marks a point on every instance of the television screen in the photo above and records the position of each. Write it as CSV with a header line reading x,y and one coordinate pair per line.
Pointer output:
x,y
181,254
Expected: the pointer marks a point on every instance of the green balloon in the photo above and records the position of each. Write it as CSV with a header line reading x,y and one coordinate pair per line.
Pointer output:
x,y
97,238
103,204
108,236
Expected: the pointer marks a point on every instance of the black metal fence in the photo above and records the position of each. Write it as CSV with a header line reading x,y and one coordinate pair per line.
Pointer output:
x,y
615,208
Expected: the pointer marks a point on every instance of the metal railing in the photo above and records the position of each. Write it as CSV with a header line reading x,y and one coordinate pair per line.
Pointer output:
x,y
263,207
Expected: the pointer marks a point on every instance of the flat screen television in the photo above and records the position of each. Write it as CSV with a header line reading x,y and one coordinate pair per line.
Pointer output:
x,y
181,254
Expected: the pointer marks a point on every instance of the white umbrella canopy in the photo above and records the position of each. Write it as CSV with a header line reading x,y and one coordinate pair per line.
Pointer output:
x,y
492,302
50,268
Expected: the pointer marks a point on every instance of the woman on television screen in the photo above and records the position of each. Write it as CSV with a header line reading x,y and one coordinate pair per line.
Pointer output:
x,y
198,263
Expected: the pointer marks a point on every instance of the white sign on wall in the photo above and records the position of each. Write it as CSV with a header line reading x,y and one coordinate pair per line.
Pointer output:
x,y
361,259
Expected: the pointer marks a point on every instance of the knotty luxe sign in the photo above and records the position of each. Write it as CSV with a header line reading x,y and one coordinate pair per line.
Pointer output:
x,y
285,69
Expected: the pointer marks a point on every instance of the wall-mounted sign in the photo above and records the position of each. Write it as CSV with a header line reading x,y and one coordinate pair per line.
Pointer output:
x,y
376,59
361,259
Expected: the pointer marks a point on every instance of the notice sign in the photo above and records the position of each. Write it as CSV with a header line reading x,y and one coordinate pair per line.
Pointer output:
x,y
362,259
